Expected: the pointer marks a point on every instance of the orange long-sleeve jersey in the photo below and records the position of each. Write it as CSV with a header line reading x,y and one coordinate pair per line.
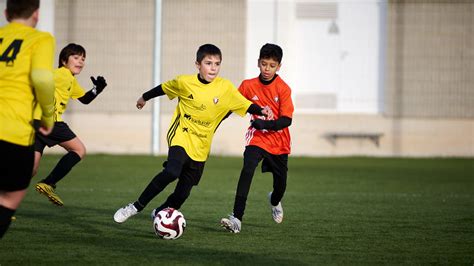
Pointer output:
x,y
277,96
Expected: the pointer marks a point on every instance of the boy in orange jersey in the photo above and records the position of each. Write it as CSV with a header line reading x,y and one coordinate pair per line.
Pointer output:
x,y
268,138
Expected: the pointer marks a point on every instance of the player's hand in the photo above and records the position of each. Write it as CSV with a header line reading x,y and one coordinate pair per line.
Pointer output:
x,y
258,124
100,83
140,103
45,131
46,124
46,127
267,111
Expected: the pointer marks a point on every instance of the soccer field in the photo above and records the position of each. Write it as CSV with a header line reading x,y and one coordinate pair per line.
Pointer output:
x,y
337,211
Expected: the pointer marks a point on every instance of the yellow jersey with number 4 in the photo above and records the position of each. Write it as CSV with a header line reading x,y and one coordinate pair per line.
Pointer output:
x,y
24,51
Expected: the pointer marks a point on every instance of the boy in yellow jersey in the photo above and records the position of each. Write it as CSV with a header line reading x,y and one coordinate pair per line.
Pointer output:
x,y
203,102
26,78
71,62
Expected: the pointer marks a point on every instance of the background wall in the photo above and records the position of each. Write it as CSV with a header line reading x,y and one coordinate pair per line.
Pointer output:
x,y
430,59
401,69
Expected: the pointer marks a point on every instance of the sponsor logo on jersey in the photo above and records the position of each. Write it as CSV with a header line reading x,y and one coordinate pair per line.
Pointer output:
x,y
197,121
191,131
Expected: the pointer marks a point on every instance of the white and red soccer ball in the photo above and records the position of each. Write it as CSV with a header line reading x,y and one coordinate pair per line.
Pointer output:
x,y
169,223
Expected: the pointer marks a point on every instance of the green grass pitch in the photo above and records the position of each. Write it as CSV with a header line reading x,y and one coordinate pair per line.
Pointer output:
x,y
337,211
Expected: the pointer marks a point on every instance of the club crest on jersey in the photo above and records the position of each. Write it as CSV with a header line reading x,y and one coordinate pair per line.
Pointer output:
x,y
276,99
216,100
255,98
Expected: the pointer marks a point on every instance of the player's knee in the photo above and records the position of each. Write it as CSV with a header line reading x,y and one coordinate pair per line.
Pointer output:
x,y
81,152
170,174
12,200
164,178
248,170
173,168
79,148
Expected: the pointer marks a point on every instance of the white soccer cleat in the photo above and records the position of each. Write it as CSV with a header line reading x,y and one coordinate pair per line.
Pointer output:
x,y
232,224
277,211
153,214
122,214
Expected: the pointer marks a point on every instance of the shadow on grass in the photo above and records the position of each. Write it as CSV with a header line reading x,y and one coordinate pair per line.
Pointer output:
x,y
77,234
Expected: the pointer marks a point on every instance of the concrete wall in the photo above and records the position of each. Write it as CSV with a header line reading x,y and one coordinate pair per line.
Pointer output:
x,y
3,5
186,25
118,38
430,59
427,109
106,133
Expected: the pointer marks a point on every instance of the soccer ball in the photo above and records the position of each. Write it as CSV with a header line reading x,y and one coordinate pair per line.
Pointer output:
x,y
169,223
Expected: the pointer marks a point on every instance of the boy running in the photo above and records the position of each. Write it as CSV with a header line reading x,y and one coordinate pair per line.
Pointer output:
x,y
268,139
71,62
203,102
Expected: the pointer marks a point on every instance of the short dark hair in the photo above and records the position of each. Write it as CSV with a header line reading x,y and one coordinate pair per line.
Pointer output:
x,y
70,49
207,49
271,51
21,8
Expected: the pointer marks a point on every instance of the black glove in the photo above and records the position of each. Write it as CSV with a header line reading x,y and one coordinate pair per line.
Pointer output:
x,y
99,83
258,124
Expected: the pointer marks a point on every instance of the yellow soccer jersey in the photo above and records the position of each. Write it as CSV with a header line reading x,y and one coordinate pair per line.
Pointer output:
x,y
23,50
200,110
66,87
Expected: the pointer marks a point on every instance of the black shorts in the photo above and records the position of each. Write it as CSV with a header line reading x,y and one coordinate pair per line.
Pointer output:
x,y
180,164
271,162
16,166
61,133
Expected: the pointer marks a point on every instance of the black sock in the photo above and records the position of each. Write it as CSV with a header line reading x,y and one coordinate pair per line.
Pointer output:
x,y
5,219
62,168
239,207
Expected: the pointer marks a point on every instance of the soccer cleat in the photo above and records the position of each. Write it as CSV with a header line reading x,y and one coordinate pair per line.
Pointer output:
x,y
48,191
122,214
277,211
153,214
231,223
